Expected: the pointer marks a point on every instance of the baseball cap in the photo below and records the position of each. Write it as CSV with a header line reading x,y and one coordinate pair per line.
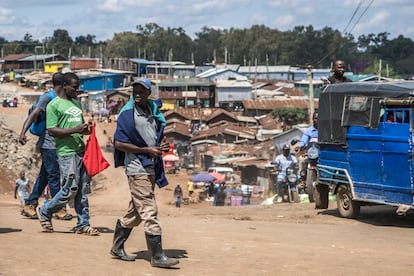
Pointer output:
x,y
142,81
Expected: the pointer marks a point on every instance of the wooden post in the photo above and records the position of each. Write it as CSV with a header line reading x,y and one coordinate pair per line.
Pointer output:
x,y
311,102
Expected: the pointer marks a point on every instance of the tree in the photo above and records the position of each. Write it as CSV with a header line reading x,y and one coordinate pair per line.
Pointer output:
x,y
61,42
123,45
12,48
289,116
387,71
85,45
208,46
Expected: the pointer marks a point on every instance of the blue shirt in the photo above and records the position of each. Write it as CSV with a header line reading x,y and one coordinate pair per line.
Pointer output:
x,y
284,162
45,141
310,135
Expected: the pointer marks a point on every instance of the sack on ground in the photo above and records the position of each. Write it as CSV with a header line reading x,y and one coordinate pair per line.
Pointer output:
x,y
93,158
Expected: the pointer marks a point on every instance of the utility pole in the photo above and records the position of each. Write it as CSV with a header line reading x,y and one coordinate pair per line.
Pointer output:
x,y
311,102
255,70
100,57
379,69
35,58
267,66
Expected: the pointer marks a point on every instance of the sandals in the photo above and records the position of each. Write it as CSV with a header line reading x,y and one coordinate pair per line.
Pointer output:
x,y
63,215
48,227
88,231
45,223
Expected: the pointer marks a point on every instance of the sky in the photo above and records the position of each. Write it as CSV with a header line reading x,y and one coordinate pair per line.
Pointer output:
x,y
104,18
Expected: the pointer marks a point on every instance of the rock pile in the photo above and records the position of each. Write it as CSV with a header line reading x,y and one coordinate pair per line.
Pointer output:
x,y
14,157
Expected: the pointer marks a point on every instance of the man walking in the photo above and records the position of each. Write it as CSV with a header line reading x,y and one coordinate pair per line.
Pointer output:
x,y
66,123
49,170
139,143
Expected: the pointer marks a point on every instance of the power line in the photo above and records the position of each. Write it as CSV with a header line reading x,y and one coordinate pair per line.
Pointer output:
x,y
362,14
353,15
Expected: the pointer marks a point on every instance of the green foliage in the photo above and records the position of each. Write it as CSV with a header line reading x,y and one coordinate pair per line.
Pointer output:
x,y
290,116
386,70
123,45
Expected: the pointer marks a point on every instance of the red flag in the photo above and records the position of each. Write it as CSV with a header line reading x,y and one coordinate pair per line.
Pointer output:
x,y
93,158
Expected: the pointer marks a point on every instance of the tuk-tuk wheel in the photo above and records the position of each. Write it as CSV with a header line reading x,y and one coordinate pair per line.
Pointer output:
x,y
347,207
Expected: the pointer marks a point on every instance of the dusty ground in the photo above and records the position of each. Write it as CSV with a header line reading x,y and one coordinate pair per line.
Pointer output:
x,y
284,239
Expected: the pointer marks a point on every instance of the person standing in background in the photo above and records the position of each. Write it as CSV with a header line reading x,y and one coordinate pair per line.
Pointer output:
x,y
190,188
178,194
22,189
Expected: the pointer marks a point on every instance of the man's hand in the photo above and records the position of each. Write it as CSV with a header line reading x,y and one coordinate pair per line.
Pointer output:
x,y
153,152
84,129
164,145
22,139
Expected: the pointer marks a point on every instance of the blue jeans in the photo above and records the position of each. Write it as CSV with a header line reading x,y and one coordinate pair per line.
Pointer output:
x,y
75,185
281,183
178,201
48,174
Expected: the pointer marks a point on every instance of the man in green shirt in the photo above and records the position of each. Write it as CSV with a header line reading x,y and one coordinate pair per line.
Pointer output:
x,y
64,121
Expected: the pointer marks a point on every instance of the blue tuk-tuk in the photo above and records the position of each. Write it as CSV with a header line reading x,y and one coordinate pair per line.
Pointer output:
x,y
366,146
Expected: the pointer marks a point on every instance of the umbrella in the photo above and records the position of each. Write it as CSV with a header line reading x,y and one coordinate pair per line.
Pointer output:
x,y
112,104
103,111
170,157
219,177
203,177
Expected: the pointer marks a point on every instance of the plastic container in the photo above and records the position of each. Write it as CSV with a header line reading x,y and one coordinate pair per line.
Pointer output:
x,y
236,200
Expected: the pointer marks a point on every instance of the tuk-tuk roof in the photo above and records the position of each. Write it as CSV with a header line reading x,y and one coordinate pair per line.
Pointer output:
x,y
331,104
376,89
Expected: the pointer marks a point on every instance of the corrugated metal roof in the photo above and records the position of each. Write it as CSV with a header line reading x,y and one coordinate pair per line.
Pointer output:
x,y
268,122
141,61
246,119
15,57
227,128
58,62
275,103
38,57
233,67
101,75
265,69
185,82
179,128
211,72
233,83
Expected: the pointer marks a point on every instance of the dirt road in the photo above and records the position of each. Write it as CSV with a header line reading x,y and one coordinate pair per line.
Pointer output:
x,y
284,239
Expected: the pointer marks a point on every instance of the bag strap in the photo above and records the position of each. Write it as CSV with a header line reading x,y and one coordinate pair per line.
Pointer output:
x,y
51,93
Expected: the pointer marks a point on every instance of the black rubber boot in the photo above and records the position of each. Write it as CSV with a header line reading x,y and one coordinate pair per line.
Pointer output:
x,y
121,234
158,258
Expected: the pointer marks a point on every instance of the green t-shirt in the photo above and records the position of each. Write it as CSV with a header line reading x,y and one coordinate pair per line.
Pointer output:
x,y
64,113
